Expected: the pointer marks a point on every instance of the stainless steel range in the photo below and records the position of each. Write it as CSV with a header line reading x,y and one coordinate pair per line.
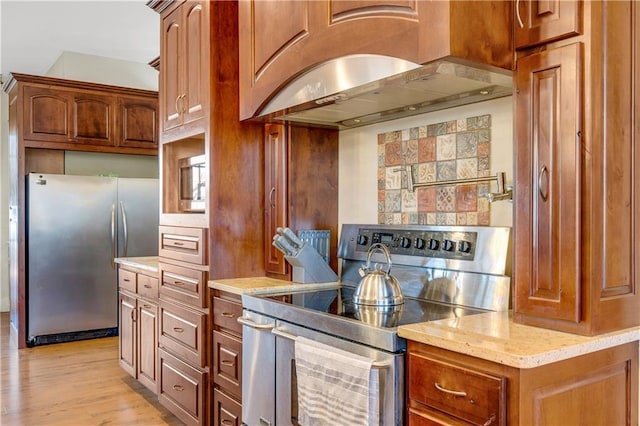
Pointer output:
x,y
443,272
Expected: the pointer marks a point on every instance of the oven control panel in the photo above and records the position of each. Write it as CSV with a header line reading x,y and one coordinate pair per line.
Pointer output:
x,y
458,245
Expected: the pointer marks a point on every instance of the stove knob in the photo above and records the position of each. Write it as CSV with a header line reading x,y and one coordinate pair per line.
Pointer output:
x,y
362,240
448,245
433,244
419,243
405,242
464,246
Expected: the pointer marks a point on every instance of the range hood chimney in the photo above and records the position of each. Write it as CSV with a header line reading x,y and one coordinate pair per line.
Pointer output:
x,y
359,90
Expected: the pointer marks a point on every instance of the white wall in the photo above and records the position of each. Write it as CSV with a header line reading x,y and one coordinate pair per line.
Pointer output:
x,y
358,162
72,66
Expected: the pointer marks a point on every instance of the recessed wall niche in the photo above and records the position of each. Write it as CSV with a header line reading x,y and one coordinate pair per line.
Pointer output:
x,y
450,150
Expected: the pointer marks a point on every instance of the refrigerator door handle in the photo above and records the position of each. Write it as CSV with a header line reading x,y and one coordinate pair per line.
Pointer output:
x,y
113,235
126,231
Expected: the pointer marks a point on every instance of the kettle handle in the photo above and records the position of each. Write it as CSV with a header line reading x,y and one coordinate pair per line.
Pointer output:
x,y
379,247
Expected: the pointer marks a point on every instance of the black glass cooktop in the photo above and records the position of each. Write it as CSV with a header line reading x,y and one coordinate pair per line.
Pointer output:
x,y
340,302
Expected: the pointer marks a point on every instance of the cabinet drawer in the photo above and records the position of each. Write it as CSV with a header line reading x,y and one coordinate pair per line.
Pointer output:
x,y
185,244
226,411
184,284
226,314
127,280
183,331
467,394
182,389
227,364
148,287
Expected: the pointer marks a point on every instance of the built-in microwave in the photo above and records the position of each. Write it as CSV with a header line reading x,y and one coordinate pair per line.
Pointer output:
x,y
192,180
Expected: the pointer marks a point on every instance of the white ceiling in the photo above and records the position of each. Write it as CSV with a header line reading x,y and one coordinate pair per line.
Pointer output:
x,y
33,34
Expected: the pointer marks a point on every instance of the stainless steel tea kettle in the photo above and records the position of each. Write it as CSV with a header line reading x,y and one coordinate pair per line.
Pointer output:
x,y
377,287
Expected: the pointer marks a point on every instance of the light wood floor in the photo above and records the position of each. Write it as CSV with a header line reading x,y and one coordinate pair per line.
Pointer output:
x,y
75,384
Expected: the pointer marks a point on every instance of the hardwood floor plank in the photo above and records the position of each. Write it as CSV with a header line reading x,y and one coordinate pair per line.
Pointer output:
x,y
72,384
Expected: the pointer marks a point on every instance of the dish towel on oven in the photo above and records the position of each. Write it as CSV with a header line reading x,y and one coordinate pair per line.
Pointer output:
x,y
335,387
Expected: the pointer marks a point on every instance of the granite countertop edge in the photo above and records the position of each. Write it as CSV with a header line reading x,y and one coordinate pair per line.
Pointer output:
x,y
145,263
495,337
257,285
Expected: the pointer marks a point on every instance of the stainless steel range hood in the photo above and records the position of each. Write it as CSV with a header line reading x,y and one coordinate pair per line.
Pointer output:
x,y
359,90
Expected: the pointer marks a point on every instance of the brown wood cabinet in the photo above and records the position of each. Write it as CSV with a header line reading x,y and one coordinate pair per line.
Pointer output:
x,y
301,187
279,40
449,388
226,359
184,61
537,22
72,115
138,324
577,209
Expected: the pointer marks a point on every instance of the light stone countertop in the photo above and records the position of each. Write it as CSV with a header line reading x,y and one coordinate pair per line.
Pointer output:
x,y
494,336
255,285
147,263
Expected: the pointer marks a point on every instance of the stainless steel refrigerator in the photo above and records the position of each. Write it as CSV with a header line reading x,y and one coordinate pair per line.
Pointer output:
x,y
76,226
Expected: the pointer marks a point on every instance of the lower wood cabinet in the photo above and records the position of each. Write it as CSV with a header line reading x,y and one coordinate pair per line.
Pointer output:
x,y
226,359
138,326
182,388
448,388
226,411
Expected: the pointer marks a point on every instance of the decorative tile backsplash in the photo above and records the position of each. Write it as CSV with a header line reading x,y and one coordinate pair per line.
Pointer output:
x,y
457,149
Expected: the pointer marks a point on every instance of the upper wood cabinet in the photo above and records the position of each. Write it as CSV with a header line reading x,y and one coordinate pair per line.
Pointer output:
x,y
184,69
301,187
538,22
279,40
577,194
72,115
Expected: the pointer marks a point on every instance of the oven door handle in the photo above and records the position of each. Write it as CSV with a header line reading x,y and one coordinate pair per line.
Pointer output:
x,y
249,323
280,333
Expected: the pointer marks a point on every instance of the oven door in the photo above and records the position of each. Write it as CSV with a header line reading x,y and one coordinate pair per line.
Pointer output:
x,y
391,374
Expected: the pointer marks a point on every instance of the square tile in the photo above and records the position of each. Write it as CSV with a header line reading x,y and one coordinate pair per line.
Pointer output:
x,y
467,168
381,184
393,154
426,172
446,170
414,133
461,125
426,199
472,218
422,219
446,147
466,144
392,202
432,219
381,155
381,138
446,199
452,126
432,130
484,149
483,163
422,132
410,151
409,201
381,195
466,198
484,218
380,207
427,149
484,121
393,178
396,218
484,135
461,218
441,128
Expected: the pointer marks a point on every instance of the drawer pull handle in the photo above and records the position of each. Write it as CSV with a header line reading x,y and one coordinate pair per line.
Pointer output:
x,y
126,280
227,422
177,243
178,329
227,363
179,283
178,388
146,306
147,286
450,392
227,315
543,190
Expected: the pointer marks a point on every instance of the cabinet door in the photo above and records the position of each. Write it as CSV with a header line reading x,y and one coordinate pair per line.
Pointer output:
x,y
226,411
93,119
540,21
137,122
275,190
127,333
147,344
547,212
171,69
47,114
196,60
